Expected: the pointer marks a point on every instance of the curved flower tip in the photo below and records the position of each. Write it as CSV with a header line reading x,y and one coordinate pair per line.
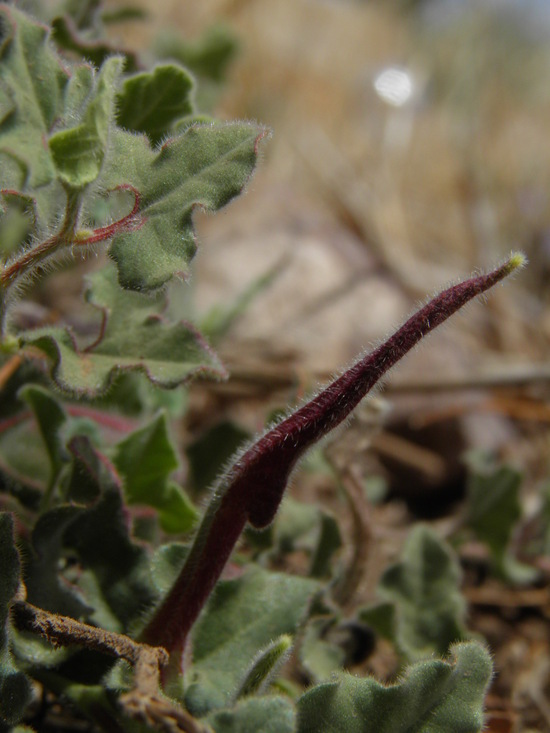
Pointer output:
x,y
516,261
253,487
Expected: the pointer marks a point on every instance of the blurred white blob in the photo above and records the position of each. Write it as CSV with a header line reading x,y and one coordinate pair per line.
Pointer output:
x,y
394,85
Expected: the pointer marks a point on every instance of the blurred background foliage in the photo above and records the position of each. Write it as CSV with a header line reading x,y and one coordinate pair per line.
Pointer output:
x,y
448,167
409,147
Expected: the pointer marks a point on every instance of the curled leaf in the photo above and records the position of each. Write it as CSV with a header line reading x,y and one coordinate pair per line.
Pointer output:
x,y
253,487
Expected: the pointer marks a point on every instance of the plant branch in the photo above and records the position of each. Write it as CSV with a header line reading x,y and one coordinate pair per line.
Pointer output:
x,y
66,631
362,538
30,258
144,701
252,489
67,236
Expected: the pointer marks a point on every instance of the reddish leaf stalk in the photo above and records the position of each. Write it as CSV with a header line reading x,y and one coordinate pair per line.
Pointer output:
x,y
252,489
67,237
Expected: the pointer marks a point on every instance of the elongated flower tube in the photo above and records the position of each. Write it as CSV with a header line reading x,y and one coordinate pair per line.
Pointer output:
x,y
252,489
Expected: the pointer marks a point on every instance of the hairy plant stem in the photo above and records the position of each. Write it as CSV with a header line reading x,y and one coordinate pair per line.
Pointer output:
x,y
65,631
31,258
35,255
252,489
67,236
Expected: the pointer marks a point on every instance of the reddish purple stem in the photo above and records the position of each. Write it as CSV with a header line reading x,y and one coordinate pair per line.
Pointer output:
x,y
252,489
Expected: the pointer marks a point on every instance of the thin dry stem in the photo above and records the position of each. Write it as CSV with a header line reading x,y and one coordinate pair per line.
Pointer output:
x,y
144,701
66,631
362,536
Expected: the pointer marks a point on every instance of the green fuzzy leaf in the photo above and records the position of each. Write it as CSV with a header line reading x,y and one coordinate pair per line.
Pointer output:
x,y
151,102
264,666
23,458
166,564
133,394
7,103
268,714
33,651
177,513
79,152
92,700
66,36
242,616
319,657
124,13
425,586
435,697
300,526
212,450
207,56
199,118
17,218
295,525
493,504
46,587
145,459
32,82
204,168
78,91
50,418
102,533
381,617
493,511
15,688
134,337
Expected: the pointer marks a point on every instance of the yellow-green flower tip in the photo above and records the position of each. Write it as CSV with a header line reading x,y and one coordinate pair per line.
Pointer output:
x,y
515,261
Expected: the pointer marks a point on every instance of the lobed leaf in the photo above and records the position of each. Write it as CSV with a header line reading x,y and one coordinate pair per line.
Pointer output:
x,y
208,56
243,616
301,527
78,152
493,511
151,102
268,714
17,217
32,81
145,459
78,90
67,37
204,167
435,697
102,533
166,563
50,418
45,586
134,337
319,657
209,453
425,587
24,461
381,617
